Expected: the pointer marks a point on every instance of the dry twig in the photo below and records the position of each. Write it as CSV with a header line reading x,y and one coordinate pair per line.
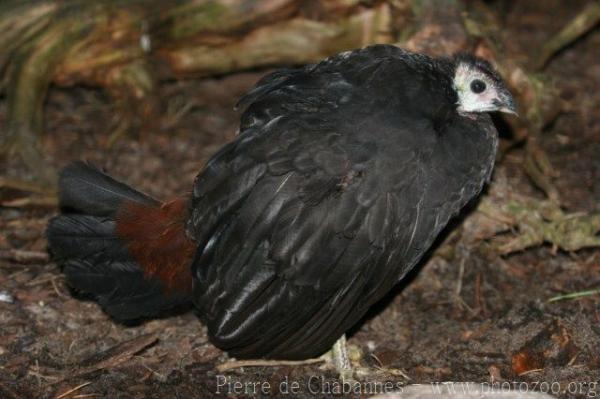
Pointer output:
x,y
72,390
236,364
22,256
110,358
31,202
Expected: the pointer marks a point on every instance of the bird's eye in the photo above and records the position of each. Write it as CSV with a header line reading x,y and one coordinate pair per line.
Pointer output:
x,y
477,86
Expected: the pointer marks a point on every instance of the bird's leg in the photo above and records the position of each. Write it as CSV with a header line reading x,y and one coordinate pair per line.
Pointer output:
x,y
340,359
338,356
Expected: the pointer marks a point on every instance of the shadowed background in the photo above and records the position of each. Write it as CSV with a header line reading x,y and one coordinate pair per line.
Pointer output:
x,y
146,90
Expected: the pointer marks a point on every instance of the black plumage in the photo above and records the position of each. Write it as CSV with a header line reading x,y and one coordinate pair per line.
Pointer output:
x,y
343,174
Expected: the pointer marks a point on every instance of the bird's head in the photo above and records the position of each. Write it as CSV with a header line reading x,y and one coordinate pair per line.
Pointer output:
x,y
479,87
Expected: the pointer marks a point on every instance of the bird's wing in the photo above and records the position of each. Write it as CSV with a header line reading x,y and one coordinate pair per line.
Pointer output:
x,y
292,99
306,235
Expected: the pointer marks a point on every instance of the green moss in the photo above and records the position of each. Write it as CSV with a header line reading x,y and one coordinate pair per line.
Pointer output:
x,y
193,18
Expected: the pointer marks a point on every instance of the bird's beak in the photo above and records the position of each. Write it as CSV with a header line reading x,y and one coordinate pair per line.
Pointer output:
x,y
508,104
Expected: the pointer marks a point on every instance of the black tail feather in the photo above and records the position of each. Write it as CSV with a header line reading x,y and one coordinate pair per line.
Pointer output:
x,y
86,190
95,261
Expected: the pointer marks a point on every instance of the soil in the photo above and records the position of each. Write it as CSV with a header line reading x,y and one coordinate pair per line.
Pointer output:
x,y
471,315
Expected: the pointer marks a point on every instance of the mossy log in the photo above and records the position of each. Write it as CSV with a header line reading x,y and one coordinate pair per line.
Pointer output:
x,y
508,222
536,222
128,46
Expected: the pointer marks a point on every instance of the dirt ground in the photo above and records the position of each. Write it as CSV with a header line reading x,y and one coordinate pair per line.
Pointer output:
x,y
464,315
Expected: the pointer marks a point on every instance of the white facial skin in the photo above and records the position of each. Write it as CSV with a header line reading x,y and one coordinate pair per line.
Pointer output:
x,y
478,92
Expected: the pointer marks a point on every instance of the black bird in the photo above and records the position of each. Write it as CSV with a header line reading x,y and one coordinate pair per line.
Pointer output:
x,y
343,174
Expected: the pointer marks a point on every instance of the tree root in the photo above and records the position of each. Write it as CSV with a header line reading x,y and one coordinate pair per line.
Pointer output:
x,y
519,222
539,169
538,99
587,19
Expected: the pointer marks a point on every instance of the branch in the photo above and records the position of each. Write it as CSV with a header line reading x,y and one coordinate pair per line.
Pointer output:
x,y
587,19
